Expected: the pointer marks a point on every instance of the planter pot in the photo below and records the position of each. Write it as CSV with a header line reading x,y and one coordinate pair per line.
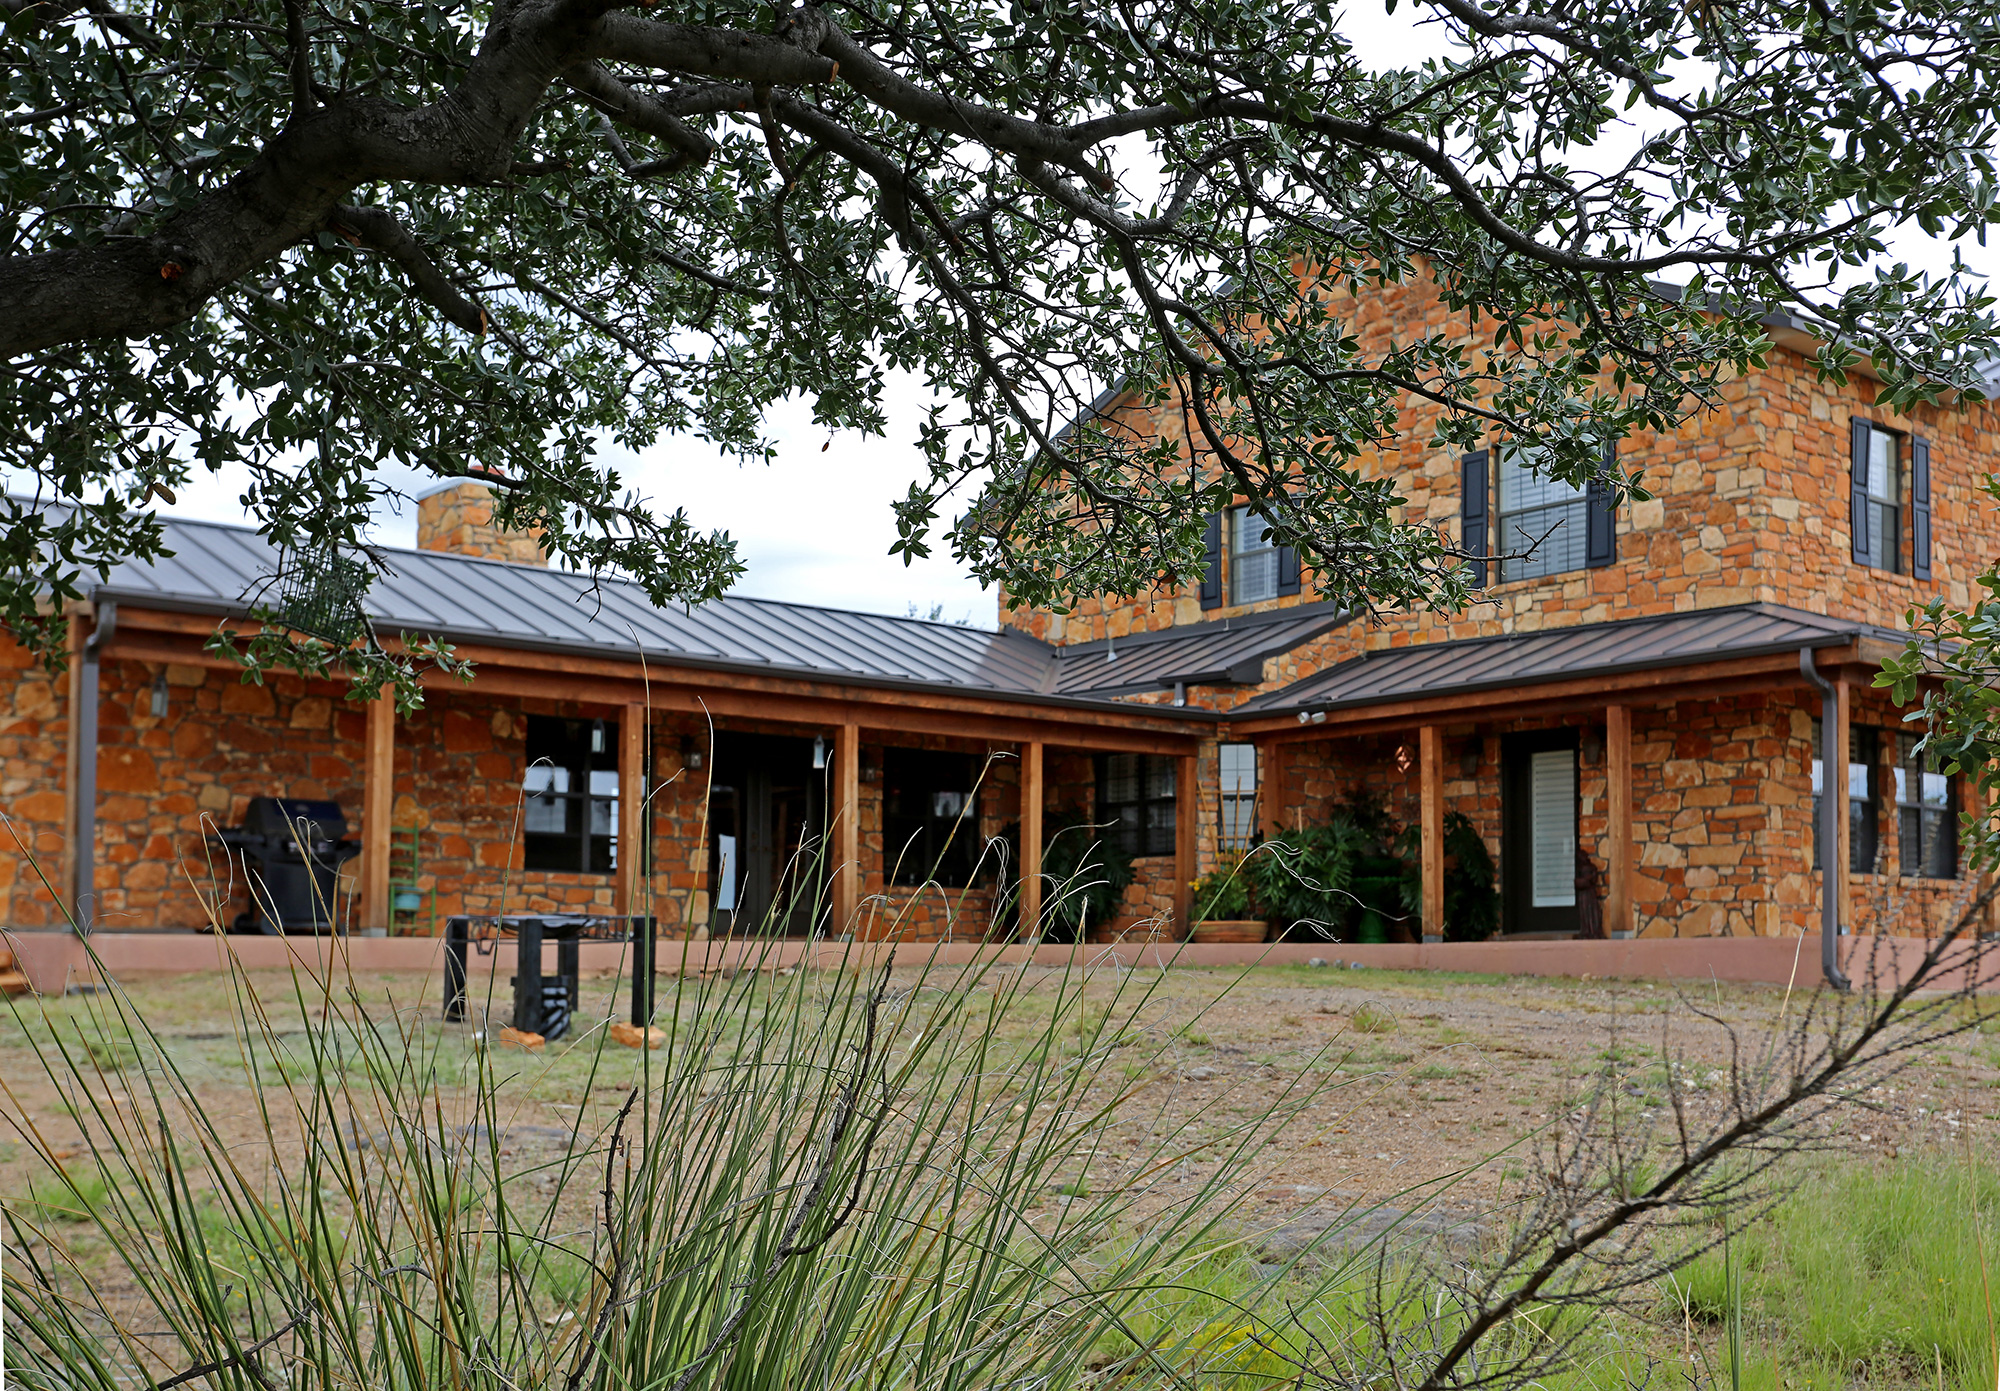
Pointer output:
x,y
1231,930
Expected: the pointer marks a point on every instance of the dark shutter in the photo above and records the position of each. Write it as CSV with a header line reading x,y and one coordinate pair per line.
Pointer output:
x,y
1857,502
1474,531
1211,575
1600,514
1288,565
1920,507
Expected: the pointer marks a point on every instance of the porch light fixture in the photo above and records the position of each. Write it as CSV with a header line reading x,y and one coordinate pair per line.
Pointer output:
x,y
819,752
160,696
690,753
597,736
1312,717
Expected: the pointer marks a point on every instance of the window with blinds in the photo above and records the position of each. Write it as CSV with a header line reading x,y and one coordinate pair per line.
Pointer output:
x,y
1253,559
1552,828
1239,796
1543,521
1926,813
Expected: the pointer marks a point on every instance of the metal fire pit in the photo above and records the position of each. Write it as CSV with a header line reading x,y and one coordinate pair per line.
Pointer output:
x,y
291,849
543,1003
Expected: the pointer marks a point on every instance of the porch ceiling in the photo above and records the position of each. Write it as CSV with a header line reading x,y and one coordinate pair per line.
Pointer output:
x,y
1469,665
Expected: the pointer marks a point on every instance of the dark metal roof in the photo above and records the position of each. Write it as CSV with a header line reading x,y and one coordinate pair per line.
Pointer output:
x,y
1225,652
226,569
1591,649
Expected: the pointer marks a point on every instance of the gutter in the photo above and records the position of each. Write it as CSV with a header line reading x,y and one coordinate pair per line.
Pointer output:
x,y
1831,808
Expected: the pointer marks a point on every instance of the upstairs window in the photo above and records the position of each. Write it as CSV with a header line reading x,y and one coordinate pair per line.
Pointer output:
x,y
569,813
1239,796
930,817
1878,497
1926,813
1861,794
1253,560
1136,797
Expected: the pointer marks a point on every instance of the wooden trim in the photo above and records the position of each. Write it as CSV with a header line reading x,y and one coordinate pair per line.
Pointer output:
x,y
1031,838
378,802
847,828
1187,827
632,807
1430,772
1618,816
1271,789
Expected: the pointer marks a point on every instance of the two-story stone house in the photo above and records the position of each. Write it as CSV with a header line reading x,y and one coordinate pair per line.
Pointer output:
x,y
1643,686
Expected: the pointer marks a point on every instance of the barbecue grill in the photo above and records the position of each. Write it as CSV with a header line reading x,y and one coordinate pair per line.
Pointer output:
x,y
291,849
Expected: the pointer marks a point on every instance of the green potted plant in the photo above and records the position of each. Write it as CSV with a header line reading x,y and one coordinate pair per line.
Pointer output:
x,y
1222,908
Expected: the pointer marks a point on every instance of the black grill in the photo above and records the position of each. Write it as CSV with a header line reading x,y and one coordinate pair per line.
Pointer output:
x,y
291,850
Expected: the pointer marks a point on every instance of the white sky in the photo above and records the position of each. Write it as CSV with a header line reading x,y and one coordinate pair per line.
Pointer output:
x,y
815,526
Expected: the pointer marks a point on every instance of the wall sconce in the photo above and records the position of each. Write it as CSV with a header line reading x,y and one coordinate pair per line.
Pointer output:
x,y
597,736
1403,759
1468,762
160,696
819,752
691,757
871,765
1592,747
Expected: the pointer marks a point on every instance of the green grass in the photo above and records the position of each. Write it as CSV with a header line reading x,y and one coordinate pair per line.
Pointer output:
x,y
1889,1271
1371,1019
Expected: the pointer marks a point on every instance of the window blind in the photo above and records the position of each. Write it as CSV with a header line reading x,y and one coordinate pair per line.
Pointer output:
x,y
1552,788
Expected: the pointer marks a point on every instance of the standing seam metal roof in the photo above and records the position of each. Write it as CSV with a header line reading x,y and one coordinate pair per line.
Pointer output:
x,y
1593,649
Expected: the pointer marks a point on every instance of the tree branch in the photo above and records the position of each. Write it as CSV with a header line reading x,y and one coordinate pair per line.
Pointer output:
x,y
378,230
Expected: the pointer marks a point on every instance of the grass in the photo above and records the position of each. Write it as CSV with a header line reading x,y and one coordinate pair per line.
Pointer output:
x,y
1371,1019
1887,1272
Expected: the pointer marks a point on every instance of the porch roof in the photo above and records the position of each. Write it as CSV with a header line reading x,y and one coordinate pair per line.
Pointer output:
x,y
226,570
1514,660
1227,651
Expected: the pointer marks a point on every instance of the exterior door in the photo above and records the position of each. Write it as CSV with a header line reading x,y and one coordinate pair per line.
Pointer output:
x,y
1538,832
767,857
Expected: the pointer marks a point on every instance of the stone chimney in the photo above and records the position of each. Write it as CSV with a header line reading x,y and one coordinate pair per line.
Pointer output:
x,y
458,517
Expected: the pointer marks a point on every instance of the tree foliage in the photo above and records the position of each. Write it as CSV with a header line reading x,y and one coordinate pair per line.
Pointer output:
x,y
312,238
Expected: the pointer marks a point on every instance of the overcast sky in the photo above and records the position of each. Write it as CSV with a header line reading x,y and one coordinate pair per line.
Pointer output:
x,y
815,526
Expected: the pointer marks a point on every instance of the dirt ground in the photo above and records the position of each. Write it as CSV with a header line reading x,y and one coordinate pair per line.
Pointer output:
x,y
1426,1079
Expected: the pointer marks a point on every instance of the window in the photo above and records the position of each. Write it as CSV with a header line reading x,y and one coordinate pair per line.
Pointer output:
x,y
1861,794
1926,813
1253,560
930,817
1544,517
1552,828
1880,493
569,819
1239,796
1136,792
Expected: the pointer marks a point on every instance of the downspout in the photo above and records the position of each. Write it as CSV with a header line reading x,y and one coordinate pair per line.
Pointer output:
x,y
1832,805
84,891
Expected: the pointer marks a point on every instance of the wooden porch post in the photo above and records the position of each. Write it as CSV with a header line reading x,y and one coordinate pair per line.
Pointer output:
x,y
632,816
1618,809
1031,838
1430,773
847,828
1833,782
1186,828
378,800
79,615
1271,788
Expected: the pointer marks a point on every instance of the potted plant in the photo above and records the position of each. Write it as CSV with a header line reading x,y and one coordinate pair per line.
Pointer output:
x,y
1222,908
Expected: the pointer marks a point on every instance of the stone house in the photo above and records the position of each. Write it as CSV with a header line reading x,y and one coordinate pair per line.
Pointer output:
x,y
1645,686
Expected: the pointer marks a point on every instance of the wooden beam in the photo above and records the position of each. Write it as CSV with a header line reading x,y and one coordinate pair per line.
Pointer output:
x,y
1187,828
1430,774
847,829
1271,789
1833,784
1618,817
378,803
1031,838
632,818
79,622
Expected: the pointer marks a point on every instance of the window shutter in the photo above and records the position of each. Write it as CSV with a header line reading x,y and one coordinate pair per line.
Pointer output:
x,y
1474,531
1288,568
1600,515
1857,502
1920,507
1211,575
